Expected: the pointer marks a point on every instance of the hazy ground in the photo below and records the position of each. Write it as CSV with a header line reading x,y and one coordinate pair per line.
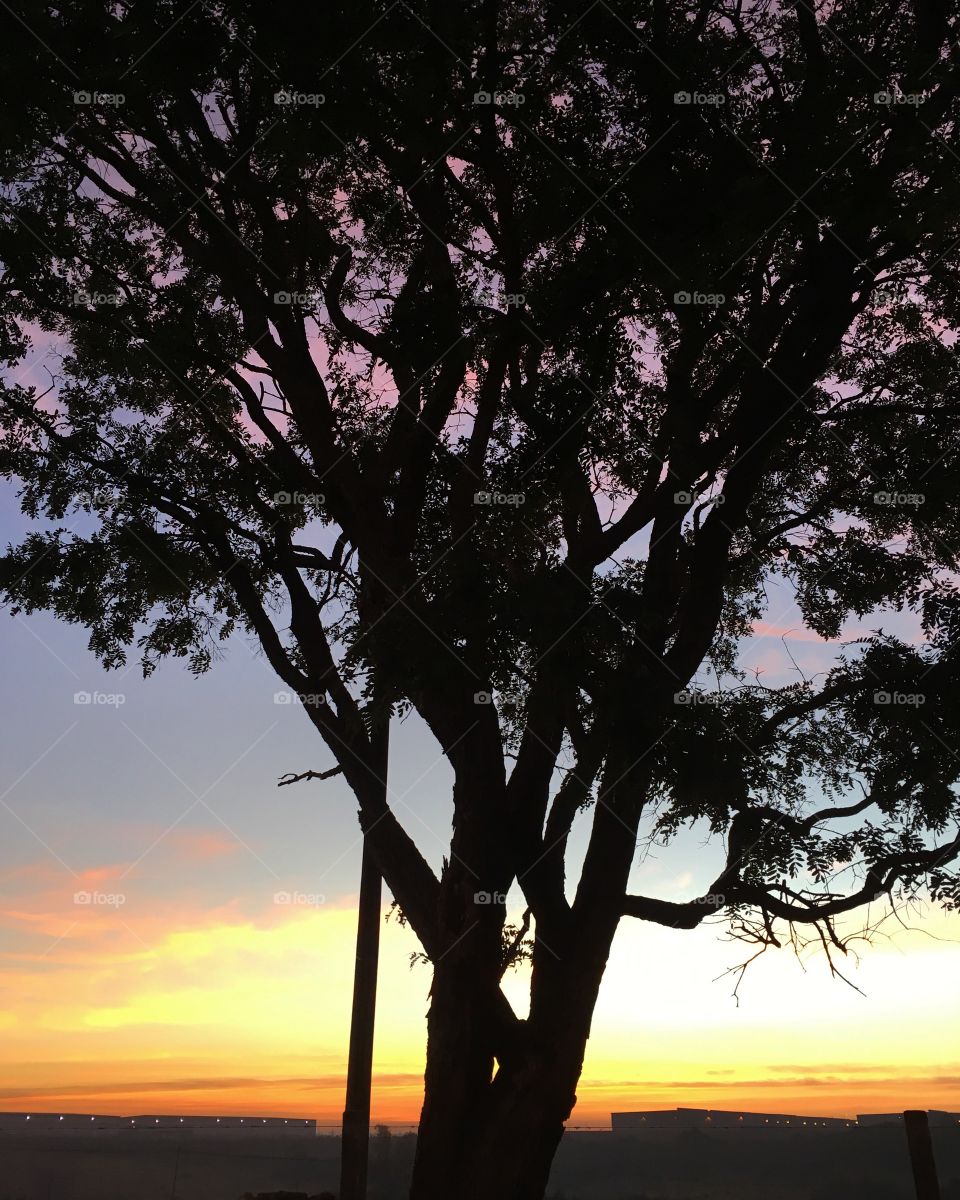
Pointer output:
x,y
851,1164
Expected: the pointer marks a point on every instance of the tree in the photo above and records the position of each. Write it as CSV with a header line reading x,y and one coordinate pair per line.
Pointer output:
x,y
507,352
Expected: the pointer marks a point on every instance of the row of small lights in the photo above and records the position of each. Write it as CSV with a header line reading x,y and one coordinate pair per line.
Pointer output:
x,y
766,1121
157,1120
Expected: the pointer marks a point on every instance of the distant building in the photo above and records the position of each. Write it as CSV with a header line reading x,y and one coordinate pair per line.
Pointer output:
x,y
936,1117
711,1118
74,1124
58,1123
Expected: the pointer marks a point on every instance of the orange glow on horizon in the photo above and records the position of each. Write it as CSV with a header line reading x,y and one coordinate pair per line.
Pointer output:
x,y
123,1012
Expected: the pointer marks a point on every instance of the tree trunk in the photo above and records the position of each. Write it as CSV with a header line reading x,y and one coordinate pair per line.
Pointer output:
x,y
493,1137
511,1156
505,1148
460,1041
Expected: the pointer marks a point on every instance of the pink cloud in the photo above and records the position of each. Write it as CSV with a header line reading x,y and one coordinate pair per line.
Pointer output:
x,y
793,633
202,844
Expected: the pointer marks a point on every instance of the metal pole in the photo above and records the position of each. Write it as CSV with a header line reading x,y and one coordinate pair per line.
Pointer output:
x,y
355,1143
924,1165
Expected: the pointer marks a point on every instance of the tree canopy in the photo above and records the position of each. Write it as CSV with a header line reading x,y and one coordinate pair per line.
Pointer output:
x,y
496,360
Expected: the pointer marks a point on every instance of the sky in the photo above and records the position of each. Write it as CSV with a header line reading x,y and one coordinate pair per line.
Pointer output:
x,y
176,933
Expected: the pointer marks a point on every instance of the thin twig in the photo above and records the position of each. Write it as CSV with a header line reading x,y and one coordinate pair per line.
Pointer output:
x,y
290,777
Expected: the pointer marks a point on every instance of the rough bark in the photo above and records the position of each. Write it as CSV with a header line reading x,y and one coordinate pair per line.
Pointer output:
x,y
486,1133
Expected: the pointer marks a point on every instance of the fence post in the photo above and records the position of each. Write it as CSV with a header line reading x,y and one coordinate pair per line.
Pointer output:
x,y
917,1126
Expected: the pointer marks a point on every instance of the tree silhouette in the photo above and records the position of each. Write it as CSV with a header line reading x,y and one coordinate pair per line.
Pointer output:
x,y
512,351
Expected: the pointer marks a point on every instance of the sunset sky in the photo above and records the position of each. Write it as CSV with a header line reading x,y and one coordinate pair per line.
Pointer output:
x,y
196,991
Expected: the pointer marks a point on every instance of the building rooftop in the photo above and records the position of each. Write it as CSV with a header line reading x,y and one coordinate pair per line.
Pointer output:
x,y
708,1118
